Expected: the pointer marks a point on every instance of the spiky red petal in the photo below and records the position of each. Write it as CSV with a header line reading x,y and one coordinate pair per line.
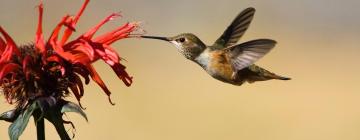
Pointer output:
x,y
39,37
72,58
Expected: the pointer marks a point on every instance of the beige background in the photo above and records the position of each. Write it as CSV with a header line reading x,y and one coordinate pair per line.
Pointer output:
x,y
174,99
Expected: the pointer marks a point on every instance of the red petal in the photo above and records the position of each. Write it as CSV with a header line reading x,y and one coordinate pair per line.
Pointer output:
x,y
10,42
78,15
7,55
112,58
69,31
77,58
95,76
77,88
75,91
79,84
8,68
27,61
122,74
92,31
55,34
109,56
120,32
81,70
2,45
57,59
84,47
39,38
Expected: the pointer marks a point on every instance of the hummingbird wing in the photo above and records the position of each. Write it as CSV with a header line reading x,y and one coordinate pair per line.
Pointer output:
x,y
236,29
245,54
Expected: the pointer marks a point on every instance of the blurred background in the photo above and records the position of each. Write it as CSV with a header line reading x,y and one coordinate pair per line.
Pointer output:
x,y
174,99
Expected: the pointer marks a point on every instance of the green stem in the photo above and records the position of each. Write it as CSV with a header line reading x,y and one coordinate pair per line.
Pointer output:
x,y
39,122
40,129
62,132
55,118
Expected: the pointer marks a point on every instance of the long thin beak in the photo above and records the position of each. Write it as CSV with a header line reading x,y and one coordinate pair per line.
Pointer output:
x,y
156,37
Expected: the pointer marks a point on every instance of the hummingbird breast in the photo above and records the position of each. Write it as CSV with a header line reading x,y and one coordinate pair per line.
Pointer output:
x,y
217,64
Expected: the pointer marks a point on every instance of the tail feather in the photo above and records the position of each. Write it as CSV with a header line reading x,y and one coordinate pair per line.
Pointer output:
x,y
260,74
284,78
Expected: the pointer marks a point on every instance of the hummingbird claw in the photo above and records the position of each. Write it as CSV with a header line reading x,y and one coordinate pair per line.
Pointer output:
x,y
234,76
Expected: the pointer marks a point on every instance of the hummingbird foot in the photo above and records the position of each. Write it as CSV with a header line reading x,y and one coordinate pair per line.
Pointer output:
x,y
234,76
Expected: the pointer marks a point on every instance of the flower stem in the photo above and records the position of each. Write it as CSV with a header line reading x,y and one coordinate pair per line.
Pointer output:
x,y
55,117
40,129
62,132
39,122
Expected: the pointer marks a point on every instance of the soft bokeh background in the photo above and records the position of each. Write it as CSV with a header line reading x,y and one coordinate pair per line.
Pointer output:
x,y
174,99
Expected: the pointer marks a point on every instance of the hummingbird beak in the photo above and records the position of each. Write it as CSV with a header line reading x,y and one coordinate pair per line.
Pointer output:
x,y
156,37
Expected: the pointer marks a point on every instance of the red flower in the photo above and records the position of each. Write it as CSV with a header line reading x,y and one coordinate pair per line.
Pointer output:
x,y
51,67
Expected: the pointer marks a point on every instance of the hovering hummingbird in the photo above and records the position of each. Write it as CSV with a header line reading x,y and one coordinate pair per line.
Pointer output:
x,y
224,60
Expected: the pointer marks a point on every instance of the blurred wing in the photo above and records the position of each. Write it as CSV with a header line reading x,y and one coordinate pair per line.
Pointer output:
x,y
245,54
236,29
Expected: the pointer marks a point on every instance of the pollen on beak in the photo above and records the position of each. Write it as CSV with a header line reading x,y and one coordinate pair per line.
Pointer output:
x,y
156,37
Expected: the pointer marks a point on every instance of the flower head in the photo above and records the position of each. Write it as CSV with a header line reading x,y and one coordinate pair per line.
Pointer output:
x,y
54,67
39,75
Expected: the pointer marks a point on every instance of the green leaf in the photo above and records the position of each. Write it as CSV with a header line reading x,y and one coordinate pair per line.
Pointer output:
x,y
72,107
10,115
19,125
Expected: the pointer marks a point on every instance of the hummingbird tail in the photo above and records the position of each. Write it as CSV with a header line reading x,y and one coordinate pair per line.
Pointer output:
x,y
283,78
260,74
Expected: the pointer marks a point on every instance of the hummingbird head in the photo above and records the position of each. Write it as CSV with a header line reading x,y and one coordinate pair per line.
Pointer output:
x,y
187,44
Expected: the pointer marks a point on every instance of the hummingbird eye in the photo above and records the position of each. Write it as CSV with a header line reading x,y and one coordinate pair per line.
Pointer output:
x,y
182,40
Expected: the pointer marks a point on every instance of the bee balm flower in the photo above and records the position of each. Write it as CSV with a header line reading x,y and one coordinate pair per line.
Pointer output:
x,y
47,70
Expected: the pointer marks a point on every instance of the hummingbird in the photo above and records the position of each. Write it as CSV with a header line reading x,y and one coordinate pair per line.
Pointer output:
x,y
225,60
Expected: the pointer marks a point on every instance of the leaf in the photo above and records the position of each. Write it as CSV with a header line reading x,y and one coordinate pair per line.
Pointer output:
x,y
72,107
10,115
19,125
